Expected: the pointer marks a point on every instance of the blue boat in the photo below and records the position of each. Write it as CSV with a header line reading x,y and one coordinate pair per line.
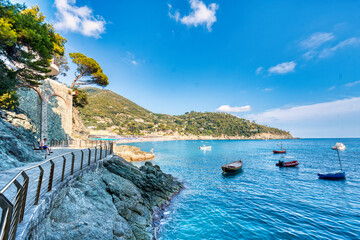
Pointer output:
x,y
335,175
332,176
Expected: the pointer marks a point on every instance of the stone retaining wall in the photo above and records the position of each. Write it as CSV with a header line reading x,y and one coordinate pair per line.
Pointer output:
x,y
50,108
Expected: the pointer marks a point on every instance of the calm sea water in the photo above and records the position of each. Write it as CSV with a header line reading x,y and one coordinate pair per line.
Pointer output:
x,y
262,201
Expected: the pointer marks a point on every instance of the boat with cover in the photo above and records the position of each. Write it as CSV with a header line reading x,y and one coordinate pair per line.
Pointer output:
x,y
232,167
287,164
280,151
205,147
339,174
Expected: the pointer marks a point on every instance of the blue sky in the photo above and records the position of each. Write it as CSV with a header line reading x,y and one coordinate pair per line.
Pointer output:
x,y
288,64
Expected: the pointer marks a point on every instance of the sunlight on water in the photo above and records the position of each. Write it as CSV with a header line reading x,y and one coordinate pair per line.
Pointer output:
x,y
261,201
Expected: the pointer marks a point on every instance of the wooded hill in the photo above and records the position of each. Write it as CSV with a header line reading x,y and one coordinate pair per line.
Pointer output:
x,y
110,111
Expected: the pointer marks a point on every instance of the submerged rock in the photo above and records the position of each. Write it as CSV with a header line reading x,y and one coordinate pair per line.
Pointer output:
x,y
116,202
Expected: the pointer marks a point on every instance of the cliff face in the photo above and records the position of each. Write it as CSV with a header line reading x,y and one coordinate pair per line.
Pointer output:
x,y
78,128
116,202
16,139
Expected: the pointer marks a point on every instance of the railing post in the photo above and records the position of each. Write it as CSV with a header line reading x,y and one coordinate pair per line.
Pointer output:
x,y
82,159
106,150
72,162
6,216
95,153
17,209
39,185
100,153
89,157
25,186
63,171
51,176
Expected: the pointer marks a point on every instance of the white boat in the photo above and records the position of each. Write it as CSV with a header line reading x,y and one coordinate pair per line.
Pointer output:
x,y
205,147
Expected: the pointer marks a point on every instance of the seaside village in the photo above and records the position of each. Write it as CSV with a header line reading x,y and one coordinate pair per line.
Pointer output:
x,y
70,162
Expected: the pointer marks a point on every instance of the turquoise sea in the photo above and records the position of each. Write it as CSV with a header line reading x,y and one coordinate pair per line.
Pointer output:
x,y
261,201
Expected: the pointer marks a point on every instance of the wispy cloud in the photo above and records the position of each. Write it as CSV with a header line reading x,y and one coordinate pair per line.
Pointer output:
x,y
351,84
70,17
267,89
330,51
130,58
200,14
259,70
283,68
227,108
331,88
316,40
318,110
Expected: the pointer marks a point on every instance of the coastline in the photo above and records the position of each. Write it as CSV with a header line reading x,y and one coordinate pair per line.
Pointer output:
x,y
184,138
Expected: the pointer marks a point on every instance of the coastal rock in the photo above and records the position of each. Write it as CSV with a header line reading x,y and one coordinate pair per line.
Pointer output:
x,y
78,128
132,153
16,140
116,202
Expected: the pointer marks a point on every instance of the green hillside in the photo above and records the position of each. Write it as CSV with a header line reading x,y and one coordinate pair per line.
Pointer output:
x,y
109,111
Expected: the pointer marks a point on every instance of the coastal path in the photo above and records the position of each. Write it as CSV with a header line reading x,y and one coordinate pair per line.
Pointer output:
x,y
25,190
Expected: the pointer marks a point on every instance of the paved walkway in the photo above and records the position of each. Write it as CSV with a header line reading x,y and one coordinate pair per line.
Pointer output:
x,y
57,158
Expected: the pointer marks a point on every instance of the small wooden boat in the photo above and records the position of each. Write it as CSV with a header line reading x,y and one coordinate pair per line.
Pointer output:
x,y
332,176
339,174
287,164
232,167
279,151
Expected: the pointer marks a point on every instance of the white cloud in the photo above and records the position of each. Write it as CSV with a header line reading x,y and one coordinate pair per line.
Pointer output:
x,y
130,58
283,68
227,108
78,19
352,83
329,51
331,88
200,14
267,89
309,112
316,40
259,70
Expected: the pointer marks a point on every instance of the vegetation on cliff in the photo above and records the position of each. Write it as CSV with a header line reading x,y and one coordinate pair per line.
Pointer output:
x,y
27,44
108,110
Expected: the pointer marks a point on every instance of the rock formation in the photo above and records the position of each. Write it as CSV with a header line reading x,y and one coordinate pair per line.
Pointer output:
x,y
132,154
116,202
16,140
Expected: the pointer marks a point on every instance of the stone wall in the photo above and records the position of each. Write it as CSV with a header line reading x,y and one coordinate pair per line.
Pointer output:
x,y
50,107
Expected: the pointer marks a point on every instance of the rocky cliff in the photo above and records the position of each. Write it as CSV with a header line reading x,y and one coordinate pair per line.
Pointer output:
x,y
17,135
116,202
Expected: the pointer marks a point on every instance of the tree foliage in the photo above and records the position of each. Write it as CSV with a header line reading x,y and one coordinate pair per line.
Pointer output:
x,y
88,71
27,45
81,99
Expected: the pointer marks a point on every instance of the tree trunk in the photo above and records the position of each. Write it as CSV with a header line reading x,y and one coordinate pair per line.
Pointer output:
x,y
77,78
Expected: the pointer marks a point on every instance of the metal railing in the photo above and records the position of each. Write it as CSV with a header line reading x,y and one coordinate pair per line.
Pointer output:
x,y
31,184
76,143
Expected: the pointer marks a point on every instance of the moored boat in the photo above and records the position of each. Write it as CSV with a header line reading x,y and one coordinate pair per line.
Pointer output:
x,y
205,147
339,174
287,164
280,151
233,166
332,176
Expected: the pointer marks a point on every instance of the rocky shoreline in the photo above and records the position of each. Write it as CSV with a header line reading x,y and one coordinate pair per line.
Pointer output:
x,y
132,153
118,201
